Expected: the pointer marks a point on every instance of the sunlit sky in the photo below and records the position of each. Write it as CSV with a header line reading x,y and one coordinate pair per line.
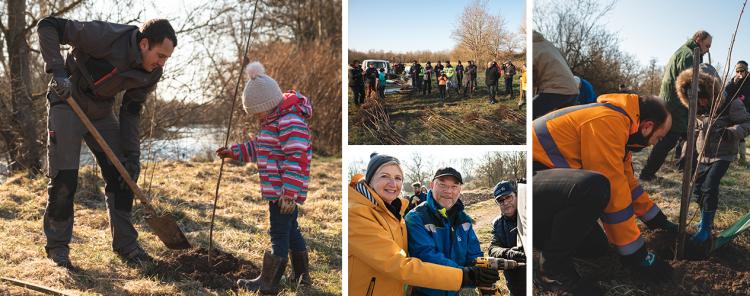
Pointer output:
x,y
655,29
437,155
402,26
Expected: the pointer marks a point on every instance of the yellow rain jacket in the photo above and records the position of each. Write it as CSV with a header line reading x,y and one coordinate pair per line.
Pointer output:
x,y
378,260
593,137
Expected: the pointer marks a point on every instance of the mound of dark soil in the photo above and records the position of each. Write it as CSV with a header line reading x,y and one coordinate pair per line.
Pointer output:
x,y
222,274
725,272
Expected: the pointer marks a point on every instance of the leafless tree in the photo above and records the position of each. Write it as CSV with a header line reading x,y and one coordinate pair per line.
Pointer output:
x,y
416,169
592,52
481,33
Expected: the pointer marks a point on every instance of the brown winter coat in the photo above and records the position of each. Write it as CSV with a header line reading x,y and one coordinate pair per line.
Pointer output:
x,y
552,74
732,122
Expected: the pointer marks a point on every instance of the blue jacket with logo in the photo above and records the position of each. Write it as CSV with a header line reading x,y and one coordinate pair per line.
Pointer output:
x,y
435,239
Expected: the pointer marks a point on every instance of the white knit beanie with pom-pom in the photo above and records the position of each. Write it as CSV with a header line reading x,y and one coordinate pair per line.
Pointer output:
x,y
262,93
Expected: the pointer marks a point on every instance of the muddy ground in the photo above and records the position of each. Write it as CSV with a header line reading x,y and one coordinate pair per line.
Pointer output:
x,y
725,272
222,274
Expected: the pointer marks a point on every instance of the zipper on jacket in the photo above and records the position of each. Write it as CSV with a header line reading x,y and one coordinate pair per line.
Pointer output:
x,y
371,288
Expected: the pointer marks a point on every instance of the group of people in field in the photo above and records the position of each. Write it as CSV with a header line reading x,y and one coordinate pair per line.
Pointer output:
x,y
444,77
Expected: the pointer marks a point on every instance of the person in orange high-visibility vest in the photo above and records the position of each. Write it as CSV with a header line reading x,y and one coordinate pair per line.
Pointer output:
x,y
583,172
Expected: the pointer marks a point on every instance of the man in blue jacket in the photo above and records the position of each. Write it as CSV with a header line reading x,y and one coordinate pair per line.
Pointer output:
x,y
439,230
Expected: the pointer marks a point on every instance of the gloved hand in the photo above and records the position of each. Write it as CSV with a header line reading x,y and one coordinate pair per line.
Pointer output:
x,y
649,267
60,85
132,165
660,221
479,276
515,253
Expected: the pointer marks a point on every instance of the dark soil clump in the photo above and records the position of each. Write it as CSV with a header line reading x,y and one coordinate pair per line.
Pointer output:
x,y
725,272
222,274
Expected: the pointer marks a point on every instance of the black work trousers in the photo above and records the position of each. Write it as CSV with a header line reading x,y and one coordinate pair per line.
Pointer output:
x,y
567,203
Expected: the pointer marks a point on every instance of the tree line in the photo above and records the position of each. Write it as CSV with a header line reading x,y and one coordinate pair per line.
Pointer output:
x,y
298,41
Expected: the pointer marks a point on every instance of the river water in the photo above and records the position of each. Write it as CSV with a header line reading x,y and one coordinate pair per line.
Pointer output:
x,y
183,143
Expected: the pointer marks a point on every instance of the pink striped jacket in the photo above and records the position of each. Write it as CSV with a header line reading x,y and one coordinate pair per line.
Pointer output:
x,y
282,149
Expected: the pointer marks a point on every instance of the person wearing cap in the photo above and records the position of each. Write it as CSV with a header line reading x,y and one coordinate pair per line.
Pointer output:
x,y
680,61
418,197
505,236
738,87
282,151
379,263
584,172
440,231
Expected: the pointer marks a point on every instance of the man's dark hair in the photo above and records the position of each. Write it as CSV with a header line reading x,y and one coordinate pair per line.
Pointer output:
x,y
155,30
355,62
653,109
742,62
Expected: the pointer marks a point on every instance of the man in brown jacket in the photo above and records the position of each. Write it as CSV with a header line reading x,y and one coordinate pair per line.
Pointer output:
x,y
106,59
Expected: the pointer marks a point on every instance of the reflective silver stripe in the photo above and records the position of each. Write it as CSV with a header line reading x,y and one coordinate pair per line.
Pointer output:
x,y
631,247
636,192
546,140
430,228
651,213
619,216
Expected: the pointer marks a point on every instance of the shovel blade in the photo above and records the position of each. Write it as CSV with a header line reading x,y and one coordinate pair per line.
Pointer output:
x,y
168,232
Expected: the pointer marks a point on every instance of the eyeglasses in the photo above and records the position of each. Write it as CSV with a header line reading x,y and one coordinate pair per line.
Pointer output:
x,y
501,199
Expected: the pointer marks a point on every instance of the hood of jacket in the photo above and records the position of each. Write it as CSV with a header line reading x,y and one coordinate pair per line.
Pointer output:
x,y
627,102
293,102
709,85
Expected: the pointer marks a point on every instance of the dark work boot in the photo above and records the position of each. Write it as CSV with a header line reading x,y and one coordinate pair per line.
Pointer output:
x,y
301,267
61,257
565,280
270,275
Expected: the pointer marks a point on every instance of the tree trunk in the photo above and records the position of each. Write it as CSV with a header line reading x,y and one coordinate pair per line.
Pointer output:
x,y
26,151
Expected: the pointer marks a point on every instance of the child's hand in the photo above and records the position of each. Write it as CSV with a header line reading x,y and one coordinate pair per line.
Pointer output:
x,y
287,206
223,152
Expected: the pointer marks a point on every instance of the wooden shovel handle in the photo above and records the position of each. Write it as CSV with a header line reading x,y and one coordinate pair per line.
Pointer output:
x,y
110,155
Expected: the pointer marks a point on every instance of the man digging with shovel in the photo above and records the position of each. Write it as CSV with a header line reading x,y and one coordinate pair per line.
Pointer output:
x,y
105,60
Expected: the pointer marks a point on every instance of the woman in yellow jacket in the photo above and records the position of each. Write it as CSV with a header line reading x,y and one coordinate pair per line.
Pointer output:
x,y
378,260
522,97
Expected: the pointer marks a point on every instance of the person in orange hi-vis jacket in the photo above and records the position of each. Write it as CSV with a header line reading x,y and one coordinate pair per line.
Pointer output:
x,y
583,173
